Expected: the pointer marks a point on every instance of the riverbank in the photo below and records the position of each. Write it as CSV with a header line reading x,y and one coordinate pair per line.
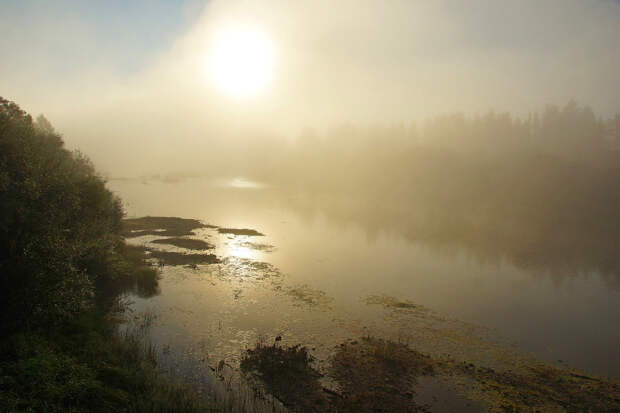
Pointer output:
x,y
65,272
87,365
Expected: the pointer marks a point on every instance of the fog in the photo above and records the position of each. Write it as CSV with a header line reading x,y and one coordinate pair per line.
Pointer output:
x,y
122,88
394,202
389,112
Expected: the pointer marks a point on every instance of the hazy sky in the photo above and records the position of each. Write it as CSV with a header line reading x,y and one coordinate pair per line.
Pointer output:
x,y
116,71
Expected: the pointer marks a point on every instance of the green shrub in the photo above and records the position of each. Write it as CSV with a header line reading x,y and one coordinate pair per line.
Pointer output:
x,y
63,268
58,224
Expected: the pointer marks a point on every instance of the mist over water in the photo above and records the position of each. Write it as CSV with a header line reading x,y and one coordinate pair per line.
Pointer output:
x,y
560,309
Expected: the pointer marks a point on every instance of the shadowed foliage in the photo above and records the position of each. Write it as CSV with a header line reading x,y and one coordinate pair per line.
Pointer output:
x,y
63,270
287,374
59,225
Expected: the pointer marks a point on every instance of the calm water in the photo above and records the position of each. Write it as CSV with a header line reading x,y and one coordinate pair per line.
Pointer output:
x,y
310,278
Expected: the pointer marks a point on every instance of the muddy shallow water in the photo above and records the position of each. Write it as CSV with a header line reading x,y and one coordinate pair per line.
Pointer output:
x,y
318,279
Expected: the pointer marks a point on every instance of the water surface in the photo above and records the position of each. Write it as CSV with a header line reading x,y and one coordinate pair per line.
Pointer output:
x,y
310,277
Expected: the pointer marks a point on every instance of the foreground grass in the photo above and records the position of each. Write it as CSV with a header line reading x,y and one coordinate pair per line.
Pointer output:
x,y
87,368
85,365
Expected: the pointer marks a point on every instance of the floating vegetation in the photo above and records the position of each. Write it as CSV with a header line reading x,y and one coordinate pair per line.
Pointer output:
x,y
309,296
179,258
391,302
542,388
161,226
187,243
240,231
382,372
376,375
371,376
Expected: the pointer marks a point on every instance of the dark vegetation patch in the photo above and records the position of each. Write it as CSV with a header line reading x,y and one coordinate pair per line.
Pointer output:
x,y
376,375
130,272
179,258
372,376
240,231
162,226
287,374
187,243
64,268
86,367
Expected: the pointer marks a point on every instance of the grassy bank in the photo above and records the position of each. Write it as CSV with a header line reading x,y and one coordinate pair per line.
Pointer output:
x,y
85,365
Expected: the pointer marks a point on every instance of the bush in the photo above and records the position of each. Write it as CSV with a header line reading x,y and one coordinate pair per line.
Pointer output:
x,y
63,268
58,224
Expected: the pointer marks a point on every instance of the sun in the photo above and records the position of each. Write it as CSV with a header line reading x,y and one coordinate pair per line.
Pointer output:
x,y
240,62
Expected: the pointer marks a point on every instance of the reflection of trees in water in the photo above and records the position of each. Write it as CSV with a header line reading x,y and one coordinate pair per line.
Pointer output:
x,y
566,251
541,192
560,233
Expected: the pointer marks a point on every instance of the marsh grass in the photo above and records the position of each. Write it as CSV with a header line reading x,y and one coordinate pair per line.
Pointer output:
x,y
287,374
86,367
161,226
179,258
88,364
381,375
376,375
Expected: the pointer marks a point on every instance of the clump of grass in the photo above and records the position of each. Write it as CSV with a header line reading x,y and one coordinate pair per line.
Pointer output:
x,y
287,374
376,375
129,271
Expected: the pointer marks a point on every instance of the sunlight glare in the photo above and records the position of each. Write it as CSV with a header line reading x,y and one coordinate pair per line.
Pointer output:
x,y
240,62
237,249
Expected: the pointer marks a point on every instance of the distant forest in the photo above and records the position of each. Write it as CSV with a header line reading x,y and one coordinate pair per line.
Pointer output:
x,y
542,192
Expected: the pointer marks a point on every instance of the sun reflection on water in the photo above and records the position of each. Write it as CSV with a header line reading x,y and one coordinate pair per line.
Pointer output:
x,y
236,249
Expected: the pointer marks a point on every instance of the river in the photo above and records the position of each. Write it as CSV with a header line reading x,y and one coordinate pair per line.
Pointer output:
x,y
321,275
